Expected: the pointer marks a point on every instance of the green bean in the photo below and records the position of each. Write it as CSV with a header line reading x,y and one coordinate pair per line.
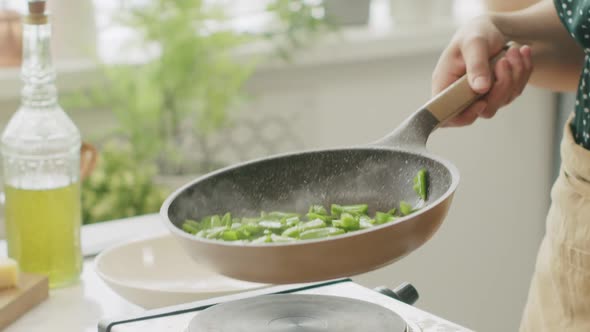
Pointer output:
x,y
366,222
253,229
214,233
216,221
263,239
191,226
420,184
230,236
206,223
226,220
312,216
318,210
292,232
272,225
320,233
352,209
382,218
318,222
405,208
347,222
291,221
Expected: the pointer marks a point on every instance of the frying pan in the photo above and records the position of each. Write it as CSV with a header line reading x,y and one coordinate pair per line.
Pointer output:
x,y
379,174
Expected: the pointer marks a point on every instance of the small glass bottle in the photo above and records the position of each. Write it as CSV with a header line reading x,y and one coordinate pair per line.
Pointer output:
x,y
41,160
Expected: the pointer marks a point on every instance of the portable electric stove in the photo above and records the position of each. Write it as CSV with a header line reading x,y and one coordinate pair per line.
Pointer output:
x,y
335,306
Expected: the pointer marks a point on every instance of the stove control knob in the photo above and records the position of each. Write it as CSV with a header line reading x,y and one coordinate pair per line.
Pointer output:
x,y
405,293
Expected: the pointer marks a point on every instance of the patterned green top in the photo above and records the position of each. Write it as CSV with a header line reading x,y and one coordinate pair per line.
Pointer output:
x,y
575,15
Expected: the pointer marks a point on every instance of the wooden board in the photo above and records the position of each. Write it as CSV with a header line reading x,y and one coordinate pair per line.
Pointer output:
x,y
15,302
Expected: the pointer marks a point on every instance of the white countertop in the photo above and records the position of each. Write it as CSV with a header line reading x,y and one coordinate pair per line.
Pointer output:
x,y
79,307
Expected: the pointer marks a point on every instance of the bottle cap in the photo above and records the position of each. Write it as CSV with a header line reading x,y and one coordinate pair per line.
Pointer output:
x,y
36,15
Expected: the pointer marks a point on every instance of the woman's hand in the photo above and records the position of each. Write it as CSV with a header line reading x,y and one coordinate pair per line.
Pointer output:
x,y
470,51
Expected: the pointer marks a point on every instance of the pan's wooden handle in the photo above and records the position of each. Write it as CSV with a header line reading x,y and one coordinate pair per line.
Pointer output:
x,y
413,133
459,95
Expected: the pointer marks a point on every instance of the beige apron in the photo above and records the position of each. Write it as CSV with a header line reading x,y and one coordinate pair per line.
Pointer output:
x,y
559,295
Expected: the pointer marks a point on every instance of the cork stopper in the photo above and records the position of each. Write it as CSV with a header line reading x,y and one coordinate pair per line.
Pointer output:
x,y
37,7
37,13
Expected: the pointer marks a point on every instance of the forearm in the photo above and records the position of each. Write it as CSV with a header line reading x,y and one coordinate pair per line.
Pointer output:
x,y
557,58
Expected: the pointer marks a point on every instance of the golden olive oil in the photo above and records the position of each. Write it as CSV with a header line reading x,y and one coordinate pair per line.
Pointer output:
x,y
43,231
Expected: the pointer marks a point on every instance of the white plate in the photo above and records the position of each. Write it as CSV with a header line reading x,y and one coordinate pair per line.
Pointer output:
x,y
156,272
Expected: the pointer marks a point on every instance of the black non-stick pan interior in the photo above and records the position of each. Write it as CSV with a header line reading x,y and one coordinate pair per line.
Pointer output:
x,y
378,177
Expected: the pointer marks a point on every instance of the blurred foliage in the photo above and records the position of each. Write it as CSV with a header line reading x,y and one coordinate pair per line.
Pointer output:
x,y
187,88
186,91
300,22
120,187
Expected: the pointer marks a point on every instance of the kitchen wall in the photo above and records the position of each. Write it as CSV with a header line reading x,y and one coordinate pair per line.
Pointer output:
x,y
476,269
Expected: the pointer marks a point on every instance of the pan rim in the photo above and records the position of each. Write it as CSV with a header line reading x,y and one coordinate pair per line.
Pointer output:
x,y
176,231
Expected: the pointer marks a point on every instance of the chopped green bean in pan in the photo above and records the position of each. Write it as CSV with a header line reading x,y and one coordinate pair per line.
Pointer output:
x,y
317,223
420,184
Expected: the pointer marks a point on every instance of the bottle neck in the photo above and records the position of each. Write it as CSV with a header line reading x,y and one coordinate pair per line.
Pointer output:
x,y
39,91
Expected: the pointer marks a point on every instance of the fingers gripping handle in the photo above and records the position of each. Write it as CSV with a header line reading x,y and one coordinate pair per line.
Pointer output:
x,y
459,95
413,133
